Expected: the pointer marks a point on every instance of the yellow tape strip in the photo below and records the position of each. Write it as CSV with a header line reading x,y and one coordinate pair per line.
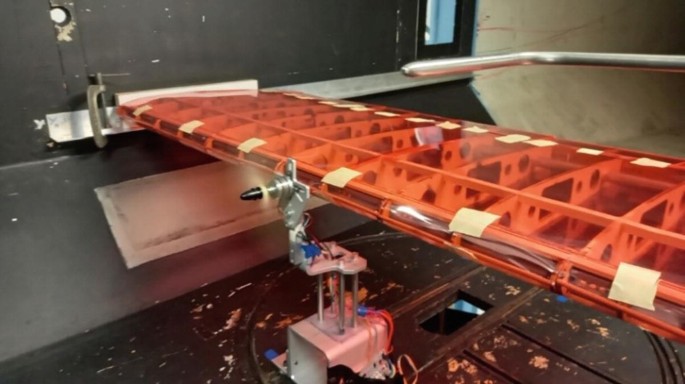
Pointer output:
x,y
472,222
635,286
590,151
542,143
449,125
510,139
348,105
419,120
139,111
647,162
386,114
302,97
340,177
190,126
475,129
361,109
250,144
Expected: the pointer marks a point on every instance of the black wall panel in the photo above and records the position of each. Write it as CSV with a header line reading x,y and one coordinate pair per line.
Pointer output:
x,y
160,43
31,83
172,42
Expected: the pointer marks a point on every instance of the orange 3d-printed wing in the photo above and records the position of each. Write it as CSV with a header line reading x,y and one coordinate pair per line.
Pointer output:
x,y
602,225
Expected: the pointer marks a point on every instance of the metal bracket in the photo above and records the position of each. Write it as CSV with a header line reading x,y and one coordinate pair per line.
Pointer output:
x,y
95,92
293,206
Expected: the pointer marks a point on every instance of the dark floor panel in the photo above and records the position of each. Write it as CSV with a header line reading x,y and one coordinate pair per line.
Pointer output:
x,y
461,369
532,363
220,332
586,336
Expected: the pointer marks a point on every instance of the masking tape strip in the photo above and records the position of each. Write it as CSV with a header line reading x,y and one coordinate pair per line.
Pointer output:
x,y
386,114
299,96
475,129
541,143
472,222
348,105
190,126
511,139
419,120
361,109
449,125
250,144
139,111
590,151
647,162
635,285
340,177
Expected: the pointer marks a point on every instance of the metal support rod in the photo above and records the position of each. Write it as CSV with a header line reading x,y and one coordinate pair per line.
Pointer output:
x,y
319,293
355,298
103,100
451,66
341,304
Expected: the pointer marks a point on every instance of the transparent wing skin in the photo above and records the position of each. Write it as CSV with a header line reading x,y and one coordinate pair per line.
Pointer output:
x,y
560,214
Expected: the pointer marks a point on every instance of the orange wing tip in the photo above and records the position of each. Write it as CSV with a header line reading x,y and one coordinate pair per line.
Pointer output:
x,y
635,285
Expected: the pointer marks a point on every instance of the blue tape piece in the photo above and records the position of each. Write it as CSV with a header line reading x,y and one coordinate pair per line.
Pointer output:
x,y
562,299
310,250
270,354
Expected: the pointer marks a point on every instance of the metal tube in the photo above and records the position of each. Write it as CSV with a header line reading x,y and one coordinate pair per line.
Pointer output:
x,y
355,298
319,293
341,304
450,66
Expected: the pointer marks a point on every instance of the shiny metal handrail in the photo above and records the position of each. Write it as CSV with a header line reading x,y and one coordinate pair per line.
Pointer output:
x,y
451,66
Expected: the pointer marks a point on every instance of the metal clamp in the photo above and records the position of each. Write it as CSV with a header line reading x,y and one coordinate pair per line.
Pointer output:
x,y
93,93
451,66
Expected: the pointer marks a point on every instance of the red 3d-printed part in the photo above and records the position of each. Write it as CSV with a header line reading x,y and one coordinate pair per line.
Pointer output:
x,y
560,214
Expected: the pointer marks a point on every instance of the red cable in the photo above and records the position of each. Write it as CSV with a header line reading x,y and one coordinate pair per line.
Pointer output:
x,y
391,329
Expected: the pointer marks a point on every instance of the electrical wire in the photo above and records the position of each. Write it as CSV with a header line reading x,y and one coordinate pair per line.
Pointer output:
x,y
391,367
411,363
385,317
321,245
391,329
